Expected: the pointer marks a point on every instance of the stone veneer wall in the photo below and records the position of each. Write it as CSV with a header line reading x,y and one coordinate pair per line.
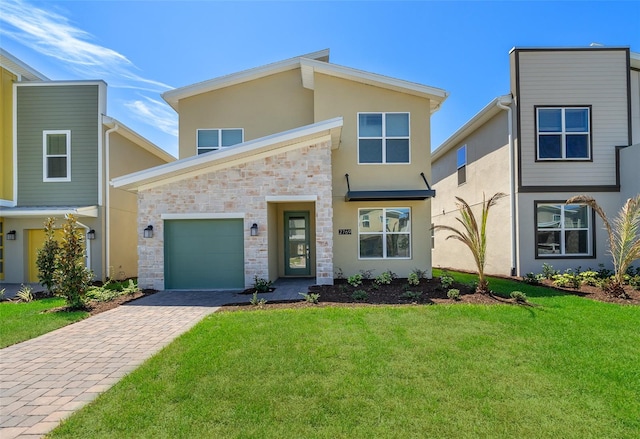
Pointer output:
x,y
242,189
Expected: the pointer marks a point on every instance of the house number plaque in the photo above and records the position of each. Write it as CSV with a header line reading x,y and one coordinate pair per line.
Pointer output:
x,y
344,231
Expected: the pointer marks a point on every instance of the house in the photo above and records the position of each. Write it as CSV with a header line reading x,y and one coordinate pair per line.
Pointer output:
x,y
569,126
300,168
58,151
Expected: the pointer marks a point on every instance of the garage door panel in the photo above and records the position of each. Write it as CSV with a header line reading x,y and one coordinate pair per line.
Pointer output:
x,y
204,254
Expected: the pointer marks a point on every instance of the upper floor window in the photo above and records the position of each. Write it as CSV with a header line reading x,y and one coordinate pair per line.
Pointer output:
x,y
56,164
384,233
461,164
214,139
563,230
383,138
563,133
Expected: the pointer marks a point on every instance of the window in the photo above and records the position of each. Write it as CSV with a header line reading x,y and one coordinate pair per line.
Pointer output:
x,y
461,164
564,230
563,133
214,139
383,138
384,233
56,164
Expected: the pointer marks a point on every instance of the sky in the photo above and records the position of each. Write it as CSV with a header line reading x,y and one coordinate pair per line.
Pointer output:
x,y
144,48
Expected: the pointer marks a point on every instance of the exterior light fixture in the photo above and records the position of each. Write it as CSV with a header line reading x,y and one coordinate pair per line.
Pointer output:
x,y
91,234
254,229
11,236
148,232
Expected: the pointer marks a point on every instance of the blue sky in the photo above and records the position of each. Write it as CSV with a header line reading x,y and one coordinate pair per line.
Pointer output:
x,y
143,48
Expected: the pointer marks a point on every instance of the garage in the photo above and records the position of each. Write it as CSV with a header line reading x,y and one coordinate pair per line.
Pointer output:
x,y
204,254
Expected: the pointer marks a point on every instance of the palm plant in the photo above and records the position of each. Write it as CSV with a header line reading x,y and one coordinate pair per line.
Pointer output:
x,y
624,237
473,234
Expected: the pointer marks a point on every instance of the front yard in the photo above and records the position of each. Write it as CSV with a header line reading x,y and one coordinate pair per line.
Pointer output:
x,y
563,367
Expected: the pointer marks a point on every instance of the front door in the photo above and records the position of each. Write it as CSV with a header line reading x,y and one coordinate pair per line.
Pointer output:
x,y
296,246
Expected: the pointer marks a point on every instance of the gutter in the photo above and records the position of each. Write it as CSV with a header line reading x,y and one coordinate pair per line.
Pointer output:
x,y
505,102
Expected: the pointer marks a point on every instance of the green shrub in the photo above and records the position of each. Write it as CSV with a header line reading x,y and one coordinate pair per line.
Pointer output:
x,y
258,302
421,274
360,295
589,277
366,274
413,279
384,278
71,277
355,280
568,279
548,271
25,293
532,278
46,257
635,282
261,285
518,296
311,297
445,280
414,296
2,291
453,294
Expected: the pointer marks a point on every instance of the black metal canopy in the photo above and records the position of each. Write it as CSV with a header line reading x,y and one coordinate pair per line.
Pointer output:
x,y
387,195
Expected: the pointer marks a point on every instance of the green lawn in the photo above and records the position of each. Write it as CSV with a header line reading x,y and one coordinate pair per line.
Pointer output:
x,y
566,368
21,321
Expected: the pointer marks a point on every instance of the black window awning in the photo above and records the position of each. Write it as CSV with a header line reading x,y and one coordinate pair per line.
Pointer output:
x,y
388,195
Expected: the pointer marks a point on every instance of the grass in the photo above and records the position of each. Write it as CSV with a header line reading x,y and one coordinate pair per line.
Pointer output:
x,y
565,368
20,321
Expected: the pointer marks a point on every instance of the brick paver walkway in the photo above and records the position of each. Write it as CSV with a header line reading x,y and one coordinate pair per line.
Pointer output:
x,y
45,379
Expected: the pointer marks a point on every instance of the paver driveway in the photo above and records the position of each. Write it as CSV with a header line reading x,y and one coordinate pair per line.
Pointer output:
x,y
45,379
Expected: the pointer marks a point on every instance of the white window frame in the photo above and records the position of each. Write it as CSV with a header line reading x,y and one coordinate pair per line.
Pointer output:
x,y
46,156
384,137
562,228
563,134
206,149
384,233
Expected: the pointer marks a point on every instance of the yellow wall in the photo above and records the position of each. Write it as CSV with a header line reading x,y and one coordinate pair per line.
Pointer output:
x,y
6,134
36,240
264,106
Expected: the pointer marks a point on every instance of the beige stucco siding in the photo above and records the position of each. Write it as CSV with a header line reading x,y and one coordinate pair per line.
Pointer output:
x,y
487,173
595,78
124,157
261,107
243,190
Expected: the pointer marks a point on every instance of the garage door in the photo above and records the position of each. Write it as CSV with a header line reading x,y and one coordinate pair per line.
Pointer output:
x,y
204,254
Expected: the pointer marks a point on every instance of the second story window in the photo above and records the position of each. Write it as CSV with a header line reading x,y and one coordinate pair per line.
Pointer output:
x,y
214,139
56,164
563,133
383,138
461,164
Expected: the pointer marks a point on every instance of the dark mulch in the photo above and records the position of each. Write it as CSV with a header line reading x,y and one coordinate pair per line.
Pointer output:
x,y
597,293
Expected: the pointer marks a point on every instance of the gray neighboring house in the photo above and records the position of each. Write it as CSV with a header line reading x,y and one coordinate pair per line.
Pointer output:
x,y
569,126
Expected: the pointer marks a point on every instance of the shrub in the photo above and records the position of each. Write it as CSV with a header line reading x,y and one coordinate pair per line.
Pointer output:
x,y
257,302
421,274
445,280
548,271
603,272
366,274
339,274
518,296
589,277
311,297
453,294
532,278
261,285
46,257
71,277
635,282
414,296
413,279
355,280
360,295
568,279
384,278
25,293
2,291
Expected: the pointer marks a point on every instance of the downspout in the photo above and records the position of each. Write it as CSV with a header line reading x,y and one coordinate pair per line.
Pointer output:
x,y
504,102
107,203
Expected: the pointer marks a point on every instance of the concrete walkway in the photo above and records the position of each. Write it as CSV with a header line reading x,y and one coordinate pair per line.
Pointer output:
x,y
44,380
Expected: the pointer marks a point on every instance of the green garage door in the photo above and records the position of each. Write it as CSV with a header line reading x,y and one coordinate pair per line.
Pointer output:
x,y
204,254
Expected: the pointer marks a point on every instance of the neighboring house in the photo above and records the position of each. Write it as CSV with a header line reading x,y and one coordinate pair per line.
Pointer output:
x,y
261,187
570,126
58,152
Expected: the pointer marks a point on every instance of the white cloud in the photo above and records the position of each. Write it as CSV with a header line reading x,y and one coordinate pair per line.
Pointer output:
x,y
155,113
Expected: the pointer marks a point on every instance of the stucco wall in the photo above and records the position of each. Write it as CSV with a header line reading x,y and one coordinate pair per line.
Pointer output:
x,y
243,189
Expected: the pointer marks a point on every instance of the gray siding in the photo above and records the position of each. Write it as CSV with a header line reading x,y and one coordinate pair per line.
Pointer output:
x,y
596,78
58,107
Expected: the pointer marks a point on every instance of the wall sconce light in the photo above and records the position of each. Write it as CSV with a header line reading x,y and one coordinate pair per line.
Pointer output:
x,y
148,232
91,234
11,236
254,229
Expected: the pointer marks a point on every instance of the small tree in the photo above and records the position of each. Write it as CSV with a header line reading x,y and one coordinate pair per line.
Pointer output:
x,y
72,278
46,259
474,235
624,237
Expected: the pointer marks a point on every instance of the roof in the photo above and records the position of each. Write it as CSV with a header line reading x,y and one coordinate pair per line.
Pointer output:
x,y
136,138
18,67
173,96
489,110
232,156
309,64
